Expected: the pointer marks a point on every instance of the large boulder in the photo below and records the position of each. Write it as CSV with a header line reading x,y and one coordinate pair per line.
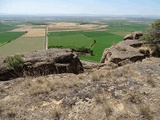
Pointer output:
x,y
123,53
134,35
43,63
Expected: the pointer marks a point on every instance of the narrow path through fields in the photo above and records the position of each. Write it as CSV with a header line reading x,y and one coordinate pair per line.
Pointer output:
x,y
46,38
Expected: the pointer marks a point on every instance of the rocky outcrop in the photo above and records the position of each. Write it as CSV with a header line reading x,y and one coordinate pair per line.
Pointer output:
x,y
134,35
43,63
123,53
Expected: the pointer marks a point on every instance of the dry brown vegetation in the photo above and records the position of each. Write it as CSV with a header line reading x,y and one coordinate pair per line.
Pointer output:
x,y
122,93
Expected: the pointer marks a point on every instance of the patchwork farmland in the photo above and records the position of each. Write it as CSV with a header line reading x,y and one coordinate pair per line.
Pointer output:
x,y
32,41
92,35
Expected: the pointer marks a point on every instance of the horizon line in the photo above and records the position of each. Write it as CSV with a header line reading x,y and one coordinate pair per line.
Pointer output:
x,y
65,14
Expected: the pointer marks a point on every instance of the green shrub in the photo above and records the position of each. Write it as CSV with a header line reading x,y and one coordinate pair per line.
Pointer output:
x,y
152,37
14,62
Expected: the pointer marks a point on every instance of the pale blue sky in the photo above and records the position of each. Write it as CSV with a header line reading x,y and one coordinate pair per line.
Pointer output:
x,y
98,7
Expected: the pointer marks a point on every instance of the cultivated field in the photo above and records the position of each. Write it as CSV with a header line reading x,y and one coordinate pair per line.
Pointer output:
x,y
22,45
9,36
104,39
85,39
36,32
33,40
66,26
69,40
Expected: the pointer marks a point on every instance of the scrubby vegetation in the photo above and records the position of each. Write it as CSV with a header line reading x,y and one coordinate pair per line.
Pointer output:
x,y
14,62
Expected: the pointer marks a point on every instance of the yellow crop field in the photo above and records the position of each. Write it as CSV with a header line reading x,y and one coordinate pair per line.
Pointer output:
x,y
36,32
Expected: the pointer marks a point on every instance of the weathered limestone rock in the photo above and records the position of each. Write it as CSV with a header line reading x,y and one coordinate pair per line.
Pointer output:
x,y
134,35
43,63
123,53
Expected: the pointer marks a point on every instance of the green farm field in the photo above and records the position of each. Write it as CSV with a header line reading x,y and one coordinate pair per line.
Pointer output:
x,y
9,36
102,42
80,39
69,39
22,45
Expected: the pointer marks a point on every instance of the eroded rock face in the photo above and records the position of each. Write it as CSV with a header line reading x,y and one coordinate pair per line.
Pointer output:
x,y
43,63
134,35
123,53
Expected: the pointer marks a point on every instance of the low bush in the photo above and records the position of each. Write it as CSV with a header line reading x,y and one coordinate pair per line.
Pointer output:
x,y
14,62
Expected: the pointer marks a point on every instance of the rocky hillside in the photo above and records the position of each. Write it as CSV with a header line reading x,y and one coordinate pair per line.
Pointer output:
x,y
123,89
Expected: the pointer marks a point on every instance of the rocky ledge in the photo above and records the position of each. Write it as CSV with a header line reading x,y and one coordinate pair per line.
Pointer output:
x,y
130,50
43,63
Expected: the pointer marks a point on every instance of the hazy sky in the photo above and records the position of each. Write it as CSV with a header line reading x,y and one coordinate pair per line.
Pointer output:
x,y
98,7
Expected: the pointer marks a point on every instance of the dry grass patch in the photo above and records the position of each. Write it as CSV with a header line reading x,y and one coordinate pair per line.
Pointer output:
x,y
104,102
38,86
108,108
135,98
151,81
99,99
11,114
96,77
45,85
146,112
39,89
55,113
